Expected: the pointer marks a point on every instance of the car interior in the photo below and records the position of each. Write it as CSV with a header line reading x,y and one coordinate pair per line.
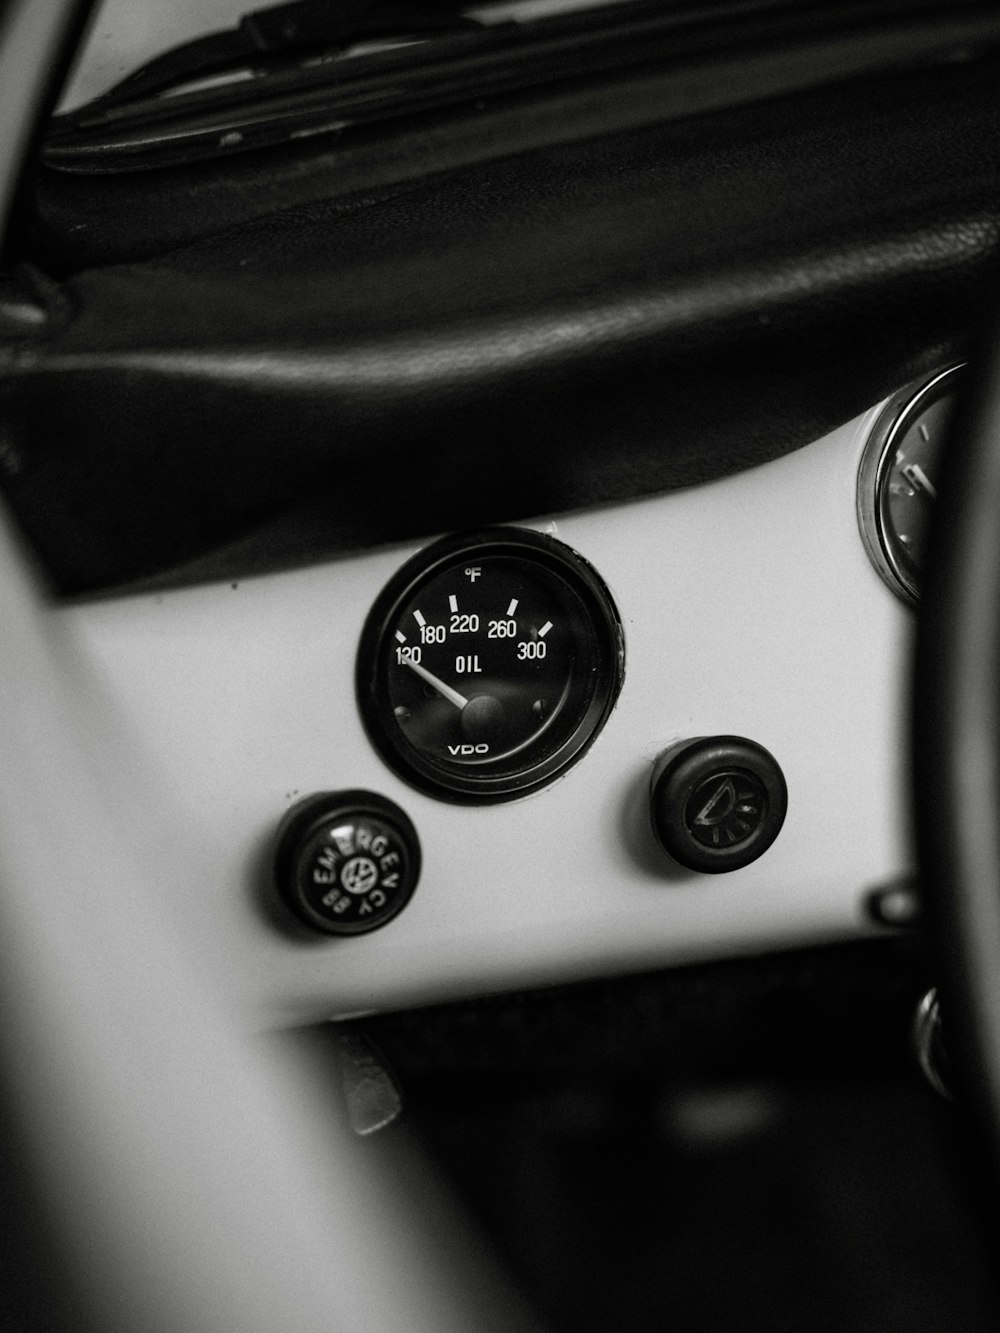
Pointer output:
x,y
501,626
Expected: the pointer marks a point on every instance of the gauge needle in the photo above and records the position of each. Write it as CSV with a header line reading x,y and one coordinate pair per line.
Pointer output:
x,y
918,478
453,696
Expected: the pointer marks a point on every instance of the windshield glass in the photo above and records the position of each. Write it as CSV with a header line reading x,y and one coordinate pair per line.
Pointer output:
x,y
125,34
158,87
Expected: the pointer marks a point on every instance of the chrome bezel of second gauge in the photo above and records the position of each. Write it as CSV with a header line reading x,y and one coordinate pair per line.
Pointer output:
x,y
875,473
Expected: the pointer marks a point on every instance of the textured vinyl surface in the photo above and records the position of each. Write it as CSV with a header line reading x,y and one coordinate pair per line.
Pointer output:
x,y
563,328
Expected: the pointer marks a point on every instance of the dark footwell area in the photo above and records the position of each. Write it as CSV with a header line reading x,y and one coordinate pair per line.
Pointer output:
x,y
781,1207
740,1146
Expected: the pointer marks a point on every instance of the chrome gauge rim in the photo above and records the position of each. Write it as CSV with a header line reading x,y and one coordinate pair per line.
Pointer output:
x,y
875,475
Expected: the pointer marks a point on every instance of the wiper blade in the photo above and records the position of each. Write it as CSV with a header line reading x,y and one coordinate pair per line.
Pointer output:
x,y
274,36
665,59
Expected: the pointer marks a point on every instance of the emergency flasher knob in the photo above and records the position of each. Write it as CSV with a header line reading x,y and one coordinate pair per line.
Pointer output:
x,y
346,862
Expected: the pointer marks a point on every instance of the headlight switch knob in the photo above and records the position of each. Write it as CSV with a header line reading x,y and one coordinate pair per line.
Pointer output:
x,y
717,803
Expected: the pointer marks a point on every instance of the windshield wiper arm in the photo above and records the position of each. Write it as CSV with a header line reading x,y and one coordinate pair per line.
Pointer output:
x,y
278,33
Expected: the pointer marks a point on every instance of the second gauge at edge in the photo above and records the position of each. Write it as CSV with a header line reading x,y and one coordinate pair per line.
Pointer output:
x,y
898,479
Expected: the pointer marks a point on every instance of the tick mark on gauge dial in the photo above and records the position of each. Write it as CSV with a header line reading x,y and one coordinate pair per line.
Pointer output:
x,y
919,480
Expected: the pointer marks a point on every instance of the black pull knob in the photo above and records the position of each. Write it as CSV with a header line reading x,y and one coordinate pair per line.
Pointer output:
x,y
717,803
346,862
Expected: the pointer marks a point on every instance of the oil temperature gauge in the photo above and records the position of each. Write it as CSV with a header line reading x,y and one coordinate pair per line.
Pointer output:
x,y
897,483
488,664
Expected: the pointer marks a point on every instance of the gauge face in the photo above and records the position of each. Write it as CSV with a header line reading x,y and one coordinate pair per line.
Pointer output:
x,y
897,484
489,664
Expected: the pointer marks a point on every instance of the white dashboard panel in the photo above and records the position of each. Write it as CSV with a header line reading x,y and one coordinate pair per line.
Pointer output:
x,y
749,608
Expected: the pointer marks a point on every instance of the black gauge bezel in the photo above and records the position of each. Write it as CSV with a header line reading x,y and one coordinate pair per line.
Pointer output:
x,y
893,422
472,786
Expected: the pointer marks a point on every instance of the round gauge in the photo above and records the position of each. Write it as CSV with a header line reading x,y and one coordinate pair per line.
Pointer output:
x,y
897,483
488,664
